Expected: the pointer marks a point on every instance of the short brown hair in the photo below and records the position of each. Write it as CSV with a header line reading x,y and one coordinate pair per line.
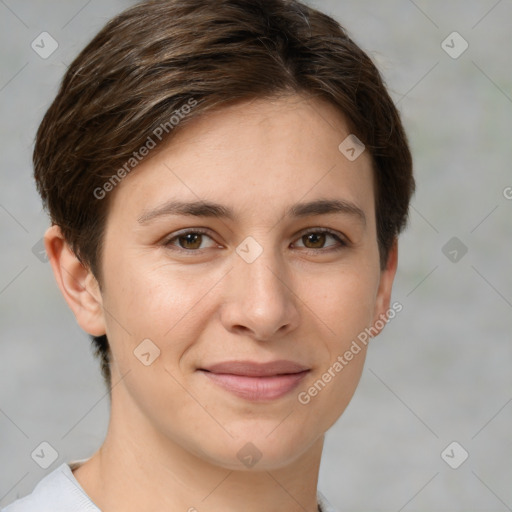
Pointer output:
x,y
149,61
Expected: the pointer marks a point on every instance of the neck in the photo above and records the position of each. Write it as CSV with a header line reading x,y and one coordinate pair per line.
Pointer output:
x,y
137,468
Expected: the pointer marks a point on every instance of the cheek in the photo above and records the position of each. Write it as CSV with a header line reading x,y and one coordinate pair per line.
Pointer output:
x,y
343,303
325,396
160,305
343,309
156,303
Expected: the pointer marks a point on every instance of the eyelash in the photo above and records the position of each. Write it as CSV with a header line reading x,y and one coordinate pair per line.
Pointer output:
x,y
199,231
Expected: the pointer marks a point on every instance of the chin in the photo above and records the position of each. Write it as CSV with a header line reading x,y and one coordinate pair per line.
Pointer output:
x,y
259,448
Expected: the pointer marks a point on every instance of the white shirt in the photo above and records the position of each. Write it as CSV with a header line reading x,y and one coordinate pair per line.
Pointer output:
x,y
59,491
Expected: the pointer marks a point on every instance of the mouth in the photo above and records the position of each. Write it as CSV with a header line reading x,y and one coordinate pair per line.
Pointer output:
x,y
256,381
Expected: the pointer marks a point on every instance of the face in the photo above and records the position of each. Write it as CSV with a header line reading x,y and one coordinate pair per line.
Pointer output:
x,y
240,263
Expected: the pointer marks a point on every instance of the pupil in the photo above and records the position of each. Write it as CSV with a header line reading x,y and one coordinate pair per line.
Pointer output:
x,y
191,239
316,239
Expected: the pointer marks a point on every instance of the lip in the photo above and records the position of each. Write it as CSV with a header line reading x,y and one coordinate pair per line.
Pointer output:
x,y
256,381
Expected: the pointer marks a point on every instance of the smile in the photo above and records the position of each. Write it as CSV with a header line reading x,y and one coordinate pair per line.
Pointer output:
x,y
256,381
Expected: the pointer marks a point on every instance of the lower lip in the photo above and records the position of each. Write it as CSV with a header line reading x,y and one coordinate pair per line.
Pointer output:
x,y
257,388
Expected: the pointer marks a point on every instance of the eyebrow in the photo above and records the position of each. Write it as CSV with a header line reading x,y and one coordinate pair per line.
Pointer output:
x,y
216,210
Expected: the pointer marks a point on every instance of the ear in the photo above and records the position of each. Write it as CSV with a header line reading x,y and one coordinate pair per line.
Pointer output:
x,y
76,283
383,298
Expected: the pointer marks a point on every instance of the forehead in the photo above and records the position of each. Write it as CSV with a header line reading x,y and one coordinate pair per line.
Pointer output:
x,y
253,156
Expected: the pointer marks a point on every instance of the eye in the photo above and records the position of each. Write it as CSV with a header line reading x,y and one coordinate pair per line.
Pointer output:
x,y
193,240
316,240
190,240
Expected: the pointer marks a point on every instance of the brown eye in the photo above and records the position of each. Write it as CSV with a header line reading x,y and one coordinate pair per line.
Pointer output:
x,y
314,240
190,241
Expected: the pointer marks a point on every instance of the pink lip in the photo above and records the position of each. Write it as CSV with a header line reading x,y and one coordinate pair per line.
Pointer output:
x,y
257,381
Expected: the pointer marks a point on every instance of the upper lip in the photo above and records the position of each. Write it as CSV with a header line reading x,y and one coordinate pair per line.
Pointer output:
x,y
255,369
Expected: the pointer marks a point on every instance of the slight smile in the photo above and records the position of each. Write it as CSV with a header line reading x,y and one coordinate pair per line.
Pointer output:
x,y
256,381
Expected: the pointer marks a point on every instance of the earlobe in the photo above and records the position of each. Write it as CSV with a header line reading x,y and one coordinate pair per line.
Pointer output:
x,y
76,283
383,298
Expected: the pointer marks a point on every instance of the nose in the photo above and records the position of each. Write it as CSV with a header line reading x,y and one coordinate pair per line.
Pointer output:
x,y
260,301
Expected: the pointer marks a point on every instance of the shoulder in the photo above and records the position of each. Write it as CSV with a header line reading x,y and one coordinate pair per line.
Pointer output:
x,y
323,504
58,491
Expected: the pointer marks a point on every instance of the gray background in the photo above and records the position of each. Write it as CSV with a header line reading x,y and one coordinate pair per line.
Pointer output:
x,y
441,370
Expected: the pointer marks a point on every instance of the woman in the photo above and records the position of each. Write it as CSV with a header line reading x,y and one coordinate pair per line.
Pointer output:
x,y
226,182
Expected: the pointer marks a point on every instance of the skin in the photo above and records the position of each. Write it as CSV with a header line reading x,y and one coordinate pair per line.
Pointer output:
x,y
173,435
